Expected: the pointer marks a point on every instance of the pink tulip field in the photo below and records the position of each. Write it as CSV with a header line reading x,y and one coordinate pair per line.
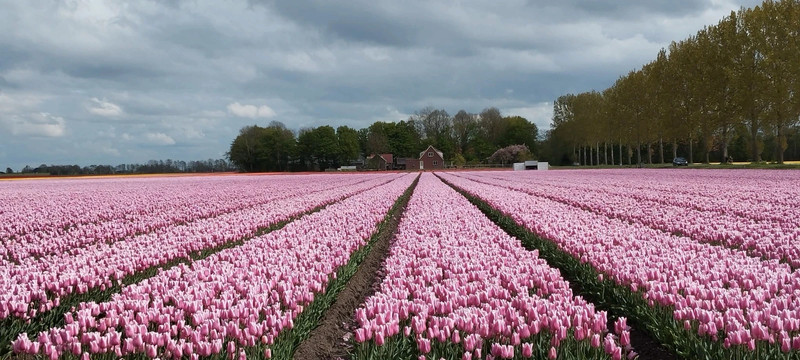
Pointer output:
x,y
457,286
240,297
125,209
37,284
720,299
708,209
455,265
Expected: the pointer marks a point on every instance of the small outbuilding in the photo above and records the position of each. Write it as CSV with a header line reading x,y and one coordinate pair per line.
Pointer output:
x,y
380,162
531,165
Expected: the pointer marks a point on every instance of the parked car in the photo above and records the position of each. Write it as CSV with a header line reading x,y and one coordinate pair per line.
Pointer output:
x,y
679,161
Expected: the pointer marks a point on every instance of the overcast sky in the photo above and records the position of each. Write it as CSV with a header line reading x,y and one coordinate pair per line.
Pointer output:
x,y
107,82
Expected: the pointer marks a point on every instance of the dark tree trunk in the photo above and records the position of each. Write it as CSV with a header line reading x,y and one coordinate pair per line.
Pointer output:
x,y
597,146
781,145
612,154
638,153
674,148
630,155
575,154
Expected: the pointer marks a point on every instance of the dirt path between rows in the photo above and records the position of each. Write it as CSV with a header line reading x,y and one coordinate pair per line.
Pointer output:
x,y
331,339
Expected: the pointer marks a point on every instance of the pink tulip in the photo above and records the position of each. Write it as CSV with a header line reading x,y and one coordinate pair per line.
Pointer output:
x,y
595,341
552,353
527,350
625,338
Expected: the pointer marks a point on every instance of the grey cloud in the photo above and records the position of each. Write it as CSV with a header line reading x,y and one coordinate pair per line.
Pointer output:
x,y
173,67
622,9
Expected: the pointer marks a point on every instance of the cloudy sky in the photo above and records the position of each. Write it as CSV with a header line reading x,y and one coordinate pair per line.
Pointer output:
x,y
107,82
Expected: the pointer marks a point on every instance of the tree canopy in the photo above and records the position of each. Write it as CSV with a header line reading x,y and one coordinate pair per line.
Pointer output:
x,y
463,138
732,84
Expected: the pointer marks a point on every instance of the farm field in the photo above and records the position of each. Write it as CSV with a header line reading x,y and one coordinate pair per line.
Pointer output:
x,y
607,264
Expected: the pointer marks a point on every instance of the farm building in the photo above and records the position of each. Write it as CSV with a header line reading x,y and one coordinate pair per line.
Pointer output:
x,y
380,162
429,159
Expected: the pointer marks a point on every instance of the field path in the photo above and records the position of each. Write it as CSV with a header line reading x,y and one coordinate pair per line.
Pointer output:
x,y
331,339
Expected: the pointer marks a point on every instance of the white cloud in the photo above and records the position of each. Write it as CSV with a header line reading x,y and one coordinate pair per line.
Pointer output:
x,y
104,108
35,124
392,115
251,111
16,103
159,139
540,114
107,149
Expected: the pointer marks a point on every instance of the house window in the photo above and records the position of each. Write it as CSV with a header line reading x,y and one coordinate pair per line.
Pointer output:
x,y
430,153
435,163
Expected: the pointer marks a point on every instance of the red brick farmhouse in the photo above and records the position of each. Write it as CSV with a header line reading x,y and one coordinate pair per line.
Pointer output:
x,y
429,159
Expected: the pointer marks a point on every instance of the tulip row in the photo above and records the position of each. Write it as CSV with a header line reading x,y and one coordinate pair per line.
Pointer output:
x,y
699,298
458,287
38,285
707,218
234,302
105,215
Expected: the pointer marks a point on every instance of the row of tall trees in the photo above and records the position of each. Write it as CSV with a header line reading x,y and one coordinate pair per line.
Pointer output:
x,y
463,138
735,83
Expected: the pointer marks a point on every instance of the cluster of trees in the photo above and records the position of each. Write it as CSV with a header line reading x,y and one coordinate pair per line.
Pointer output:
x,y
732,89
151,167
463,138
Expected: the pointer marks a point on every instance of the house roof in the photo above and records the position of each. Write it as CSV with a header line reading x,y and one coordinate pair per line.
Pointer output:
x,y
385,157
422,154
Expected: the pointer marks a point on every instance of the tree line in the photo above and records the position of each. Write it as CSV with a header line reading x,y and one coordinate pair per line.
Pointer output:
x,y
464,138
150,167
731,89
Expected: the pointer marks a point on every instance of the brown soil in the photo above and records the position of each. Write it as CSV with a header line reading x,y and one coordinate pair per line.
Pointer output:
x,y
647,347
332,338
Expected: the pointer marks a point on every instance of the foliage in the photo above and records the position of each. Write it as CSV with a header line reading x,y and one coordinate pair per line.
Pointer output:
x,y
262,149
739,77
510,154
463,138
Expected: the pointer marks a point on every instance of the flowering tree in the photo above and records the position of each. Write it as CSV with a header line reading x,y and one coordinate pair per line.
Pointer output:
x,y
511,153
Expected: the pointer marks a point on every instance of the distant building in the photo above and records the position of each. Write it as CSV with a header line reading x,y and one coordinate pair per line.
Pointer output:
x,y
430,159
380,162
